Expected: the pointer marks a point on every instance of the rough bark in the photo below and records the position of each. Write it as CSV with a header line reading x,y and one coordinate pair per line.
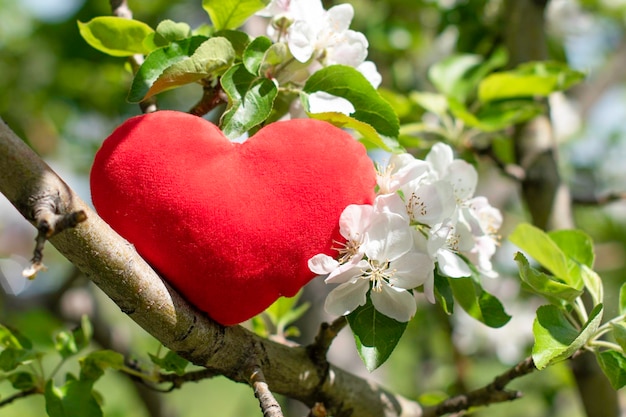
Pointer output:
x,y
116,268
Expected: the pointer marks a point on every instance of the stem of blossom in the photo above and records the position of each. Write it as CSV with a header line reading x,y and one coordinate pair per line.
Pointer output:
x,y
212,96
489,394
267,401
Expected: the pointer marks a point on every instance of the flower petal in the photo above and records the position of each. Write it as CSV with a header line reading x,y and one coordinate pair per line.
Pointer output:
x,y
347,297
463,177
452,265
430,203
354,220
411,270
322,264
322,102
388,237
348,271
393,302
439,157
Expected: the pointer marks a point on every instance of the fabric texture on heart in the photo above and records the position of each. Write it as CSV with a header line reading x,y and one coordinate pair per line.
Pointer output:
x,y
230,226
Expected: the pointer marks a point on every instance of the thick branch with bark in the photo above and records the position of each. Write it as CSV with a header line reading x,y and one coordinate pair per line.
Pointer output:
x,y
114,266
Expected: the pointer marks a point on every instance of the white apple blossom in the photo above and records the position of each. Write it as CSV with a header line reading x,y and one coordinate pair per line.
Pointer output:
x,y
425,215
321,37
380,257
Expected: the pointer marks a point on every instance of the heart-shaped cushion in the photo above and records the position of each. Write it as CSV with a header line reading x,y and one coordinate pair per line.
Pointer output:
x,y
231,226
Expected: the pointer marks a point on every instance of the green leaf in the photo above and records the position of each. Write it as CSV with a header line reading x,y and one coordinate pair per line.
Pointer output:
x,y
230,14
529,80
432,102
11,358
84,333
375,334
284,312
210,59
370,135
22,381
544,250
93,365
171,31
347,82
619,333
478,303
556,339
65,344
576,244
157,62
279,63
443,293
116,36
12,338
171,362
613,365
74,399
496,116
622,299
546,285
251,100
457,76
254,54
239,40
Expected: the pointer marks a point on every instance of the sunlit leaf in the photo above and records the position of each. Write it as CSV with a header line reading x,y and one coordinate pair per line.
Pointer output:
x,y
116,36
251,100
556,338
348,83
230,14
544,250
375,334
577,244
546,285
457,76
371,138
534,79
171,31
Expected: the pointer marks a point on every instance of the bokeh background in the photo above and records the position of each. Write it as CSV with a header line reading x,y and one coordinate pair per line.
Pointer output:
x,y
63,98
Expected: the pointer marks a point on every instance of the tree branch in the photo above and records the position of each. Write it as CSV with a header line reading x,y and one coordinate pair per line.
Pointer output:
x,y
113,265
268,403
490,394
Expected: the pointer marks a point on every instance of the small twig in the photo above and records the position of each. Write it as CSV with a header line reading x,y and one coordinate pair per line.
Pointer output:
x,y
49,223
212,96
120,8
194,376
328,331
489,394
18,395
599,200
267,401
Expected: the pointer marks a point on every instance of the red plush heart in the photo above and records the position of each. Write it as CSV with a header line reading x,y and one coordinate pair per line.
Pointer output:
x,y
231,226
